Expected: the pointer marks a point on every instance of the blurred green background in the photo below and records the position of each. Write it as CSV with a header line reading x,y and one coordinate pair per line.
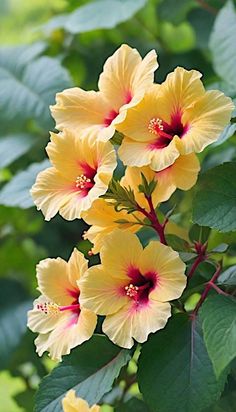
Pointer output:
x,y
46,46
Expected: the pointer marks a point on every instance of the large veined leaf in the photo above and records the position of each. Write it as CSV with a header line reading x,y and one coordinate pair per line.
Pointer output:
x,y
14,304
175,372
228,277
16,192
226,134
90,370
174,11
27,86
16,58
222,43
202,21
215,201
219,329
100,14
14,146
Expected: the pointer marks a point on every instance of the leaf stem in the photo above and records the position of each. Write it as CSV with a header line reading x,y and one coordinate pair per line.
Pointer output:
x,y
208,287
152,217
207,7
201,251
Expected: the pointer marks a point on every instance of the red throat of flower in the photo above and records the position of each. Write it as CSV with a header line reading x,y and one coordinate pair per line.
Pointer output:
x,y
51,308
141,285
113,113
165,131
85,181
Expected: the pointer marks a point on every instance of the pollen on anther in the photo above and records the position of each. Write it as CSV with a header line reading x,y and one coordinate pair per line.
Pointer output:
x,y
155,125
49,308
81,181
131,290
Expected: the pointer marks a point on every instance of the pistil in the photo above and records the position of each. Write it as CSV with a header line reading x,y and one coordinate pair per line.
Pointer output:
x,y
83,182
50,308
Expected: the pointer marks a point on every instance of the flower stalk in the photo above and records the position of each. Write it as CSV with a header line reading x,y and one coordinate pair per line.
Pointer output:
x,y
209,285
201,251
152,217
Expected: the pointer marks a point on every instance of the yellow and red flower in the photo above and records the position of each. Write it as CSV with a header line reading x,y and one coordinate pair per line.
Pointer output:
x,y
81,172
176,117
132,287
182,174
122,85
102,216
71,403
58,316
103,219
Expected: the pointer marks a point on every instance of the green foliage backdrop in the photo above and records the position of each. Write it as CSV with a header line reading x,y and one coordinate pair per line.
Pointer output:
x,y
47,46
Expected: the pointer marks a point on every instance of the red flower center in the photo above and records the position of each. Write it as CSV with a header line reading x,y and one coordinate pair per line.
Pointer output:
x,y
141,285
113,113
85,181
165,131
110,117
51,308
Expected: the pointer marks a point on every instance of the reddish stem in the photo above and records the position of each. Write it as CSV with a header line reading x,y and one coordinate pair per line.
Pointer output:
x,y
195,265
207,289
152,217
155,222
201,251
219,290
207,6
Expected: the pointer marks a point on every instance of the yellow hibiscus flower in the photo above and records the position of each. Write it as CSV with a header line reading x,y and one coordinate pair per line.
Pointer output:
x,y
71,403
132,287
176,117
103,219
122,85
81,172
102,216
182,174
58,316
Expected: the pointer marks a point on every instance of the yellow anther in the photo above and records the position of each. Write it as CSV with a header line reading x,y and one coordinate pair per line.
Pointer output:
x,y
49,308
131,290
154,125
81,181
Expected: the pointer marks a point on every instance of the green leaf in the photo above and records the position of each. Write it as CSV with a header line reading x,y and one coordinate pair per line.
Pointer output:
x,y
174,11
228,277
14,146
16,192
175,372
21,55
214,204
100,14
90,370
14,305
202,21
219,329
226,134
187,256
225,404
226,154
199,234
220,248
29,86
222,43
9,387
178,244
133,405
123,197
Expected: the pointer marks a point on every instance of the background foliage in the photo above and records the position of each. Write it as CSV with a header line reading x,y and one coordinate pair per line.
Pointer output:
x,y
46,46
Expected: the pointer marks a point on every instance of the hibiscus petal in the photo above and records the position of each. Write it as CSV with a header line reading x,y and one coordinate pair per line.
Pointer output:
x,y
169,268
